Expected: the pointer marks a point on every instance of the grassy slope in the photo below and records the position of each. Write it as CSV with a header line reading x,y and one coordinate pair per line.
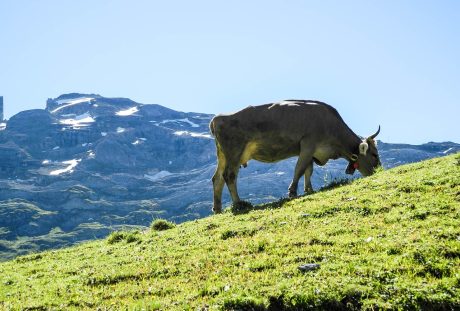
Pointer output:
x,y
388,241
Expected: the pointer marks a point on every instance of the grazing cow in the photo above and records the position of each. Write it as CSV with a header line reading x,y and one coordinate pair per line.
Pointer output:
x,y
312,130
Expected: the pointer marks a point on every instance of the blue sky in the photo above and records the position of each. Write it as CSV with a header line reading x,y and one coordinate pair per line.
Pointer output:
x,y
393,63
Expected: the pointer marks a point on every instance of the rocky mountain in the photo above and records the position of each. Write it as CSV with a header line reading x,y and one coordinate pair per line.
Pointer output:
x,y
87,165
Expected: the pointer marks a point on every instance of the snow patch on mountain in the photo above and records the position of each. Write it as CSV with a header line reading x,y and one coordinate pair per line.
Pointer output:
x,y
71,164
79,121
446,151
186,120
71,102
127,112
193,134
157,176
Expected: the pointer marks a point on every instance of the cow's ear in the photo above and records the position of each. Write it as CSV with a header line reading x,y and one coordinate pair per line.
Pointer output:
x,y
363,148
371,141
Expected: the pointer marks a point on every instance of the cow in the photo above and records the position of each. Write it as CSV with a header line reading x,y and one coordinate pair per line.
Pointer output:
x,y
312,130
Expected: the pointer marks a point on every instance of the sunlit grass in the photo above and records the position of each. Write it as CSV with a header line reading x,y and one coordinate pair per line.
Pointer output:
x,y
390,241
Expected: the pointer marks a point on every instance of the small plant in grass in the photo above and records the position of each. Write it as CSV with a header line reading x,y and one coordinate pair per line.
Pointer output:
x,y
118,236
132,237
227,234
161,224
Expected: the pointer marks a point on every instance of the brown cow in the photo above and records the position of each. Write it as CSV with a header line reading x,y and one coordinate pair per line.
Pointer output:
x,y
312,130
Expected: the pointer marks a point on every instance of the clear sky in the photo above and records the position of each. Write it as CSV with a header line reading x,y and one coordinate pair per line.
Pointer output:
x,y
389,62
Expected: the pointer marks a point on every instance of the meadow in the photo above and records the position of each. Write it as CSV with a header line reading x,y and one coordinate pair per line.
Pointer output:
x,y
387,242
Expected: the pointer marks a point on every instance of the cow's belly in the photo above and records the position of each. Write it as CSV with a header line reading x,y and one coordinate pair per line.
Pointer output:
x,y
323,153
269,152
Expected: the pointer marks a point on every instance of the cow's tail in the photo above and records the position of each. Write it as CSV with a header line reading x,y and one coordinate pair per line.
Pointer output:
x,y
212,127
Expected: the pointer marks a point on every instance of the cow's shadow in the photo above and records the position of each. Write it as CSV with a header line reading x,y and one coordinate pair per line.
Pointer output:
x,y
244,207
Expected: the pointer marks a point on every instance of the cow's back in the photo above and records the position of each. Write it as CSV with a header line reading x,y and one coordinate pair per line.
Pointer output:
x,y
287,118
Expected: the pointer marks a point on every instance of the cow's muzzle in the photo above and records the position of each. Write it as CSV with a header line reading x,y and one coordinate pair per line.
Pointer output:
x,y
351,168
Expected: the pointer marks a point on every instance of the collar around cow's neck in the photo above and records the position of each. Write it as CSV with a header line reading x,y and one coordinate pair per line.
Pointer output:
x,y
352,156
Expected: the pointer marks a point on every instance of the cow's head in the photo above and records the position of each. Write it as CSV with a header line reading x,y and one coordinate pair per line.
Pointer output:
x,y
368,158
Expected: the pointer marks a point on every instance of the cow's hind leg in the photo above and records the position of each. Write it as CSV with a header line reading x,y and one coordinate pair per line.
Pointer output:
x,y
230,176
218,181
307,179
303,162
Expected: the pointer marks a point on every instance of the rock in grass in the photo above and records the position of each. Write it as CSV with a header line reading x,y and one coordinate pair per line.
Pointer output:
x,y
309,267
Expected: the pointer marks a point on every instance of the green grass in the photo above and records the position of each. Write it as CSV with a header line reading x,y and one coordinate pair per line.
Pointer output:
x,y
390,241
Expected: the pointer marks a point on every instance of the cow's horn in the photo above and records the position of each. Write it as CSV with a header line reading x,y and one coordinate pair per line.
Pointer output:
x,y
375,135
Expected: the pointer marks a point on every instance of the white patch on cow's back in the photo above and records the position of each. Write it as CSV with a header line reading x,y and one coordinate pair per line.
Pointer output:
x,y
292,104
295,103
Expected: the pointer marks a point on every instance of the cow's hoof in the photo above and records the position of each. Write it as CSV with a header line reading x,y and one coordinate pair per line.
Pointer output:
x,y
241,207
217,210
292,194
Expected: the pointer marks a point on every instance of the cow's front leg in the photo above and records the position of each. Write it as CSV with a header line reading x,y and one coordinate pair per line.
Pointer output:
x,y
307,179
305,159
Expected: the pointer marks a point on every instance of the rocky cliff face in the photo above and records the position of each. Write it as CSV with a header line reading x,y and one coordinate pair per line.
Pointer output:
x,y
87,165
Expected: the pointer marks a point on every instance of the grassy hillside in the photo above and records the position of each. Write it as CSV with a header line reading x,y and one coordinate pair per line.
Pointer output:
x,y
391,241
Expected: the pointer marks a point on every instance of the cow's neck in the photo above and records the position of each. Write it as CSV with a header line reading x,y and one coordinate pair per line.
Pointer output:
x,y
349,145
